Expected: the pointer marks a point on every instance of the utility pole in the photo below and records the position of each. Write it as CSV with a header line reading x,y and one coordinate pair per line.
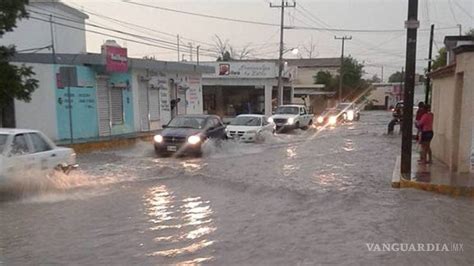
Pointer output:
x,y
411,25
381,76
190,52
280,58
344,38
53,50
460,29
177,43
197,53
430,55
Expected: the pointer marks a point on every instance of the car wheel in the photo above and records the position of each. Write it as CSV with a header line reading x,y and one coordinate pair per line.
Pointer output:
x,y
297,125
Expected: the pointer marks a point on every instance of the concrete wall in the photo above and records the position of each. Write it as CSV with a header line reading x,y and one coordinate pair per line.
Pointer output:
x,y
32,33
453,108
443,102
40,112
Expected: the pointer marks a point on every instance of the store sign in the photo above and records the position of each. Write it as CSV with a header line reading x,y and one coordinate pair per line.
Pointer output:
x,y
243,70
117,60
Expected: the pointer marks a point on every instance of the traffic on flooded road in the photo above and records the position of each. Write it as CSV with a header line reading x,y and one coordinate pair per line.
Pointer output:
x,y
295,198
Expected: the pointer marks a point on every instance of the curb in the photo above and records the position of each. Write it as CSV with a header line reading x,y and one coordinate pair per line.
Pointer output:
x,y
454,191
87,147
396,174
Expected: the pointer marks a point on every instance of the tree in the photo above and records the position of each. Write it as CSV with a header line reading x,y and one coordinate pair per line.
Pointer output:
x,y
224,51
440,60
396,77
470,32
375,79
352,82
16,82
310,49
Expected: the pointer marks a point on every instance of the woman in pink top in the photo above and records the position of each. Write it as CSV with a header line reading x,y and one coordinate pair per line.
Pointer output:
x,y
426,126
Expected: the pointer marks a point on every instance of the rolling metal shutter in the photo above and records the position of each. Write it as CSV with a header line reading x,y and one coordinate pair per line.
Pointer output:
x,y
103,108
116,104
154,101
143,106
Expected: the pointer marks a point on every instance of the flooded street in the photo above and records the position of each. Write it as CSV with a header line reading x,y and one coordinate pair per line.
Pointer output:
x,y
304,198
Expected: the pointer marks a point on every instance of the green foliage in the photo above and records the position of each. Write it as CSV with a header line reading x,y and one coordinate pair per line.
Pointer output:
x,y
470,32
440,60
396,77
352,81
15,81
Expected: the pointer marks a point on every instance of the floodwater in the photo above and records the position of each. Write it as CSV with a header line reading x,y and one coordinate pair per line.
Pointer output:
x,y
305,198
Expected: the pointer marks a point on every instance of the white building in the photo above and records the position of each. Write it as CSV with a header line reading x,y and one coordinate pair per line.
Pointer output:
x,y
67,34
108,93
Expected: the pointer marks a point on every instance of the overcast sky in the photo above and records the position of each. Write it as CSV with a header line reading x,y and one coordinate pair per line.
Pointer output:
x,y
375,49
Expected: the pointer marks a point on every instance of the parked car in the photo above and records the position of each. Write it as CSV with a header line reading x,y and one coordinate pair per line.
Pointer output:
x,y
24,150
185,134
291,117
249,128
348,111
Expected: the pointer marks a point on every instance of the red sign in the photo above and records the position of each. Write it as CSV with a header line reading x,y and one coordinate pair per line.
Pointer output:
x,y
117,60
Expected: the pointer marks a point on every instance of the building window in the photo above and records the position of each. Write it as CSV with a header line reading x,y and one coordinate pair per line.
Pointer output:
x,y
116,106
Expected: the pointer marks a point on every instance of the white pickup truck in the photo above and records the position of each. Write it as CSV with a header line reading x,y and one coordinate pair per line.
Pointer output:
x,y
291,116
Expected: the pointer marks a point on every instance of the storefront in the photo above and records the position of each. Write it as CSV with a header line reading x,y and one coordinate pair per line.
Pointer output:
x,y
243,87
107,94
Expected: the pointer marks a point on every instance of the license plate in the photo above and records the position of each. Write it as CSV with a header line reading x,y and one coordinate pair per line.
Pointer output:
x,y
171,148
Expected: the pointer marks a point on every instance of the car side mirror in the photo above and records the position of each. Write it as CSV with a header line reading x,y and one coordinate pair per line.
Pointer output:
x,y
164,126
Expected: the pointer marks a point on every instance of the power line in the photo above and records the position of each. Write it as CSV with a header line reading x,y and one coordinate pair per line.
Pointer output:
x,y
138,27
267,23
106,34
463,10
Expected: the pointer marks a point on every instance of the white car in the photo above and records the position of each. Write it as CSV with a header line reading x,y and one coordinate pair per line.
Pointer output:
x,y
249,128
292,116
24,151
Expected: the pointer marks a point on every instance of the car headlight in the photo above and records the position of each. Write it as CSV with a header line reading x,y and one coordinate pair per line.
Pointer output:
x,y
251,132
332,120
194,140
291,120
320,119
158,138
270,120
350,115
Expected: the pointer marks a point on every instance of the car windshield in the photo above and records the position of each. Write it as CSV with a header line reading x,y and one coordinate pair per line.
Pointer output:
x,y
287,110
3,141
246,121
187,122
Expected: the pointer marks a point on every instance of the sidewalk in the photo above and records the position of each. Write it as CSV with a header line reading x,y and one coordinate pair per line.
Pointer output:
x,y
434,177
101,143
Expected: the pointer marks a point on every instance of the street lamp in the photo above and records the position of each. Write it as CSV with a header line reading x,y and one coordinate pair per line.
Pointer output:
x,y
294,51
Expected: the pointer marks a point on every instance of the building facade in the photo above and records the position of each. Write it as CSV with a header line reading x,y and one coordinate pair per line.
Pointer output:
x,y
98,102
453,106
250,86
87,96
52,24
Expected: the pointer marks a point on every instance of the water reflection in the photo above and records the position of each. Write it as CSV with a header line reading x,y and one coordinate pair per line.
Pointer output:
x,y
190,166
348,145
183,226
332,181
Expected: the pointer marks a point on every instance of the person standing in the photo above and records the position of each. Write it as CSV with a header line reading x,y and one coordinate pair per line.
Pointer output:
x,y
426,126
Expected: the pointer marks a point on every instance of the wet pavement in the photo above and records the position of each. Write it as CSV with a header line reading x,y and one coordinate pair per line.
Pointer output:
x,y
310,197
